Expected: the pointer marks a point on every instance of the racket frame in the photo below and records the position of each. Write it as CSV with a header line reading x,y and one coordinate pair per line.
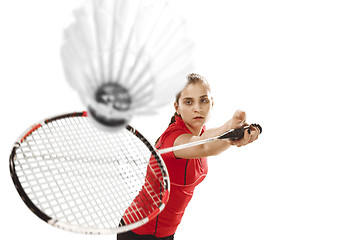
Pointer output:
x,y
77,228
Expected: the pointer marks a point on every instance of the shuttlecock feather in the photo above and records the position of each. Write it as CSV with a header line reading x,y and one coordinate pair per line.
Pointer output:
x,y
126,57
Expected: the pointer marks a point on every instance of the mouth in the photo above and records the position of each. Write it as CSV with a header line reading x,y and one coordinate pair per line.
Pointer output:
x,y
198,118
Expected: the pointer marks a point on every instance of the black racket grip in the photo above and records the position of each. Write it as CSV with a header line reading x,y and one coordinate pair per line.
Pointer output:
x,y
238,133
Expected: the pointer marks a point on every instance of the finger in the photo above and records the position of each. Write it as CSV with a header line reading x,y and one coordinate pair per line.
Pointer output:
x,y
254,133
247,142
257,126
258,132
251,137
241,116
244,140
237,143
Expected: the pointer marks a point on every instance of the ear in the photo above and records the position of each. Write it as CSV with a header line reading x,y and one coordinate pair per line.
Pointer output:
x,y
176,106
212,102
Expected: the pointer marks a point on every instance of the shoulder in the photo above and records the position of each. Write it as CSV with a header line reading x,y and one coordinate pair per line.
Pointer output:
x,y
168,138
172,132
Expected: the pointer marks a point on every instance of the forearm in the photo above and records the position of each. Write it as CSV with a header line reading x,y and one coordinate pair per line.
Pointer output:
x,y
204,150
210,148
218,146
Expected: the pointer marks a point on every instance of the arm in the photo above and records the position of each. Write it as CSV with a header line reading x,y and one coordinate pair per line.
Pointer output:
x,y
215,147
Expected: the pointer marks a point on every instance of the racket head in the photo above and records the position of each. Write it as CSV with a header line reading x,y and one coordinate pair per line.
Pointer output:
x,y
79,178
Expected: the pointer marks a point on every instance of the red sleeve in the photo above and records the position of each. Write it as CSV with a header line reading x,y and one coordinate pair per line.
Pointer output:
x,y
167,140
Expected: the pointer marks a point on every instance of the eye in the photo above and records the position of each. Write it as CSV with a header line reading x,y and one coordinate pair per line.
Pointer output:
x,y
205,100
188,102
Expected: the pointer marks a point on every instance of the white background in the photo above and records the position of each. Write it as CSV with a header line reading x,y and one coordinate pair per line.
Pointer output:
x,y
293,66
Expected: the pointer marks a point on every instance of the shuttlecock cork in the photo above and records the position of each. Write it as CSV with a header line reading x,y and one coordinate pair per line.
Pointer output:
x,y
126,57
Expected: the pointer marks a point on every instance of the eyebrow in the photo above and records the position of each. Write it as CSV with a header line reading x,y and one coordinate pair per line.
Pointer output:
x,y
190,98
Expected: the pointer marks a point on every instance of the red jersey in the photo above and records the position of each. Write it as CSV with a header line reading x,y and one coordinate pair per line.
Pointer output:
x,y
185,175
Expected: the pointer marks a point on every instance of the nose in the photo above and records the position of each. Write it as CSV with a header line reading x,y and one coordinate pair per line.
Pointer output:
x,y
198,107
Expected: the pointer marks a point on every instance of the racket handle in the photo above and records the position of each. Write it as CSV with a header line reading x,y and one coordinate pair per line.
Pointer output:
x,y
238,133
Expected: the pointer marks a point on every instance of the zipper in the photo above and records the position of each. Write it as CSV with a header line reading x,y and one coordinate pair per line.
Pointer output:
x,y
201,163
187,161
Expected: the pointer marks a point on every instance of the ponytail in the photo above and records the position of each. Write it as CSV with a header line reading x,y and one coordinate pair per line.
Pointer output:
x,y
173,118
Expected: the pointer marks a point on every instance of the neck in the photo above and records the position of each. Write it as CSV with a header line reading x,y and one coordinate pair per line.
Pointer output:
x,y
194,131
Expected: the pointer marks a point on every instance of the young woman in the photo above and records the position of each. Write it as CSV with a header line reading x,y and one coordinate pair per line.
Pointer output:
x,y
188,167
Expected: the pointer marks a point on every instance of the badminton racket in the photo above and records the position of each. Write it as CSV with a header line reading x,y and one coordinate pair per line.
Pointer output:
x,y
79,178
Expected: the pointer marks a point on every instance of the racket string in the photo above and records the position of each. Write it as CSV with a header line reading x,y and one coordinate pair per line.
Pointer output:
x,y
97,193
88,183
135,208
66,207
38,195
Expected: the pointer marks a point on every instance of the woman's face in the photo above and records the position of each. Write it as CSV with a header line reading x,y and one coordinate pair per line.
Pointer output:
x,y
194,106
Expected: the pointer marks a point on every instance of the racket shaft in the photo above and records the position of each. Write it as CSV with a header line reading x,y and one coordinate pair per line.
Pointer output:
x,y
187,145
234,134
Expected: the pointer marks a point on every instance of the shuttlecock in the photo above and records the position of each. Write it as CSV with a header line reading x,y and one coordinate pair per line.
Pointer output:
x,y
126,57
